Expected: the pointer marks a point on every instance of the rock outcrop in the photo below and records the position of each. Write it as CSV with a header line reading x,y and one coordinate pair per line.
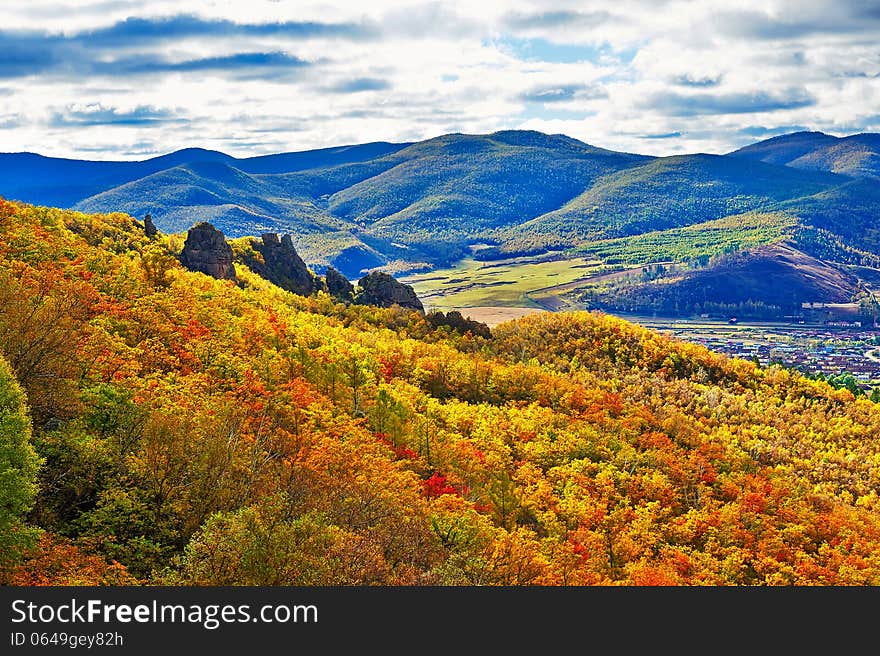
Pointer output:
x,y
338,285
378,288
206,251
150,228
281,264
455,320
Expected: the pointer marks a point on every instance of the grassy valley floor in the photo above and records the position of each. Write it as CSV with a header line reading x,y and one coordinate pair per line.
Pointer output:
x,y
505,289
498,291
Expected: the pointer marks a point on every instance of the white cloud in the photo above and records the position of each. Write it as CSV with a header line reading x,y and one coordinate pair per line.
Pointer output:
x,y
650,77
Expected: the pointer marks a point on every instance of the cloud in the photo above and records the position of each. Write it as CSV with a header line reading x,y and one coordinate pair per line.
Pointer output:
x,y
92,115
360,84
857,74
762,131
561,93
689,80
25,55
239,62
543,50
625,75
29,56
427,21
665,135
521,21
134,30
33,52
869,10
834,19
677,104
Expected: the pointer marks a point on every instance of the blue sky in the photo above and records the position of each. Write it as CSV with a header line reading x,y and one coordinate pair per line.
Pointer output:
x,y
120,79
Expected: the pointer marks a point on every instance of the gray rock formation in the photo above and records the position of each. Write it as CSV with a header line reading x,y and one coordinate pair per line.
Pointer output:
x,y
281,264
381,289
338,285
206,250
455,320
149,227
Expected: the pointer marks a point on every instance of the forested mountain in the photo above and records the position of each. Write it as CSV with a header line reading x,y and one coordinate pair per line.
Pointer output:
x,y
676,191
857,155
419,206
63,182
410,205
168,427
420,203
777,275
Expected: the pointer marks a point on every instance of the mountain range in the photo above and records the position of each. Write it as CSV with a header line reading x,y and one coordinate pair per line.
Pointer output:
x,y
415,206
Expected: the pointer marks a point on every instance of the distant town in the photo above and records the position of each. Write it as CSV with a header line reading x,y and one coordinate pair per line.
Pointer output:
x,y
828,349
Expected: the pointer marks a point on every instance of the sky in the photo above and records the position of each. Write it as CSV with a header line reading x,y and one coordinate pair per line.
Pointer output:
x,y
119,79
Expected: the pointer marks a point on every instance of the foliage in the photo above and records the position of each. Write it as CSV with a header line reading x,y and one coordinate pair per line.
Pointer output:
x,y
18,471
57,562
695,243
201,432
673,192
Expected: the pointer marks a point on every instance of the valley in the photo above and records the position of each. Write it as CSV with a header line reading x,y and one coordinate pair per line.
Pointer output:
x,y
822,339
518,218
813,349
528,281
501,225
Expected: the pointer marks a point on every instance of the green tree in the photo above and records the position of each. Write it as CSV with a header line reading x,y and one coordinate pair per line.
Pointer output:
x,y
265,545
18,470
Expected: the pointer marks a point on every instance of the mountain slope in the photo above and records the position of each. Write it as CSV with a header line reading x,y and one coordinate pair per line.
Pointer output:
x,y
851,211
672,192
767,281
376,203
857,155
777,274
492,179
195,431
65,182
419,206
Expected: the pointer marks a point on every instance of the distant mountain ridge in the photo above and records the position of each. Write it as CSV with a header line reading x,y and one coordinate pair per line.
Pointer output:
x,y
34,178
857,155
405,206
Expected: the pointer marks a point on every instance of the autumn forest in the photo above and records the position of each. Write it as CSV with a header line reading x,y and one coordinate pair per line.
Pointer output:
x,y
160,426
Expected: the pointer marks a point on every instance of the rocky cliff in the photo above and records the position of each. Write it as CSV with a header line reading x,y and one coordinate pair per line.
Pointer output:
x,y
206,250
455,320
149,227
280,264
275,259
377,288
338,285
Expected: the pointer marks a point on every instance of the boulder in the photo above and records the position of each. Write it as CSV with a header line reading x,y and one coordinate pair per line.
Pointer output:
x,y
455,320
206,251
378,288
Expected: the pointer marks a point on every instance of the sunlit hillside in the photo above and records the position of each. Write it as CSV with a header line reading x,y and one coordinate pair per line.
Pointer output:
x,y
160,426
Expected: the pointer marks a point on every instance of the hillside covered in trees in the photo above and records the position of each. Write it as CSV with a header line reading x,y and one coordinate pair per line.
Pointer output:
x,y
420,206
163,426
428,208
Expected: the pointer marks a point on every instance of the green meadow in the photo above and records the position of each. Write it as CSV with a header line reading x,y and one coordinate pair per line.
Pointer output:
x,y
514,282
